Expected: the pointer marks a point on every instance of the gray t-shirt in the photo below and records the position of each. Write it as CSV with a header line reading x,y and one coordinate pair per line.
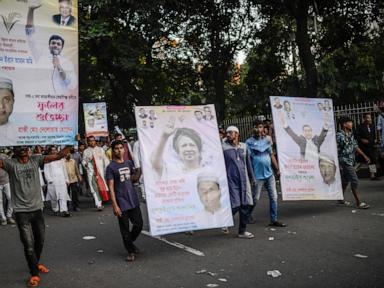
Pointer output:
x,y
25,183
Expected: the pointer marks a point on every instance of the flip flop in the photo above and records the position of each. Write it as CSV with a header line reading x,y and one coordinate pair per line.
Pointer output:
x,y
33,281
42,269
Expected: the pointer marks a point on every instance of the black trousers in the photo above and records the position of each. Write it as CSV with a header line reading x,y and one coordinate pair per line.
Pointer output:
x,y
129,236
32,230
244,214
73,191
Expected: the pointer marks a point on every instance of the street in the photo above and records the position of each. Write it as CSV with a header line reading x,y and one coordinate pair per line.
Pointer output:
x,y
316,249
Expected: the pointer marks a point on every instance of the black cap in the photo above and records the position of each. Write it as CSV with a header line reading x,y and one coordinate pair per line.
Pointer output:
x,y
344,119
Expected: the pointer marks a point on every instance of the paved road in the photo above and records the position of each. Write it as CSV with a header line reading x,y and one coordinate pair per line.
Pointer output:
x,y
316,250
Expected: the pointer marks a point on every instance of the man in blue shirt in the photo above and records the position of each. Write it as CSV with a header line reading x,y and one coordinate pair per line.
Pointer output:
x,y
120,174
262,159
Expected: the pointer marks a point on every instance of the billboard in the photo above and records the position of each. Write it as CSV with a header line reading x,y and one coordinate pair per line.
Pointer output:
x,y
38,72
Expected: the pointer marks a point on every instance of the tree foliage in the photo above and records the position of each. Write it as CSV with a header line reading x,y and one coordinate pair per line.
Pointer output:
x,y
159,52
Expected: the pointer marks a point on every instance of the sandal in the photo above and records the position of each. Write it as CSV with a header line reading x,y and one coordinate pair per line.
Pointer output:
x,y
363,205
33,281
42,269
246,235
344,203
130,257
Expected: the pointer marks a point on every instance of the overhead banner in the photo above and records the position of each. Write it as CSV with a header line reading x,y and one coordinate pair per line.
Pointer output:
x,y
183,167
95,118
306,148
38,72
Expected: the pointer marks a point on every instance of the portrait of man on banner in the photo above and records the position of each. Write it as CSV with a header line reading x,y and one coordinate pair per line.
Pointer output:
x,y
306,146
62,74
8,130
65,17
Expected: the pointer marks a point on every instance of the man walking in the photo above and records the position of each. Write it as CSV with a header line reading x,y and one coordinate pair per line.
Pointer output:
x,y
240,177
380,129
95,161
120,175
27,203
74,178
6,218
366,137
347,148
57,179
262,159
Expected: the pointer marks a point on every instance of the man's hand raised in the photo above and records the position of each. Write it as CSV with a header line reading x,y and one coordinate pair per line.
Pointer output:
x,y
34,4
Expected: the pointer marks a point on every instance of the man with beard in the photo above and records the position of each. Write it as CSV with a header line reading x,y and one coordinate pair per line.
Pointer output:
x,y
240,178
8,130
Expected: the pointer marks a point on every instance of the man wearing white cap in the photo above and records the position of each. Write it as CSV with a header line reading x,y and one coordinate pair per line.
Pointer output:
x,y
328,170
240,176
8,130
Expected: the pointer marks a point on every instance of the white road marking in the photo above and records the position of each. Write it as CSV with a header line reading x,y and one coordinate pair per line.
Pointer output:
x,y
176,244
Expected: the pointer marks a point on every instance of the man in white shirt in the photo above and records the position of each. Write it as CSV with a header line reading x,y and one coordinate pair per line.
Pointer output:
x,y
62,73
96,162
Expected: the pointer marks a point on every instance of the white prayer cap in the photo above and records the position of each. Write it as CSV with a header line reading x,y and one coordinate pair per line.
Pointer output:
x,y
6,83
326,157
207,176
232,128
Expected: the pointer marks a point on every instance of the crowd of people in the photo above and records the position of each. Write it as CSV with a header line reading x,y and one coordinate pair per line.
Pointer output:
x,y
107,171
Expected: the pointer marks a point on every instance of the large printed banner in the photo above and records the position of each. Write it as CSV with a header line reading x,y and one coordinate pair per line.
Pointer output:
x,y
183,167
306,147
95,117
38,72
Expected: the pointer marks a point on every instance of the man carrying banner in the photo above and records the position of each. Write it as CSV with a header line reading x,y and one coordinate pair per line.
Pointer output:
x,y
120,175
262,159
95,161
28,205
61,71
240,178
347,148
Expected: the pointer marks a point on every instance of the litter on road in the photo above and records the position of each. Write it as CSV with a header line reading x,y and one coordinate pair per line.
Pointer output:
x,y
89,237
274,273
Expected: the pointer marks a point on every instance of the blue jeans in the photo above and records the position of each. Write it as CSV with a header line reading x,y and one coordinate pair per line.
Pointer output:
x,y
270,186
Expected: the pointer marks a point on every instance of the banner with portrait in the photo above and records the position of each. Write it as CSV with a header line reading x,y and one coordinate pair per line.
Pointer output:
x,y
38,72
306,148
183,167
95,119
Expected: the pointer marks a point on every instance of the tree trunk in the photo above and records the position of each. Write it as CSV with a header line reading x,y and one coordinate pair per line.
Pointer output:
x,y
304,45
219,84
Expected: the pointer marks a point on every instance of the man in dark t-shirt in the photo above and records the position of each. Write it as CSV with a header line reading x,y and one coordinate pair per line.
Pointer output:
x,y
28,205
120,174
